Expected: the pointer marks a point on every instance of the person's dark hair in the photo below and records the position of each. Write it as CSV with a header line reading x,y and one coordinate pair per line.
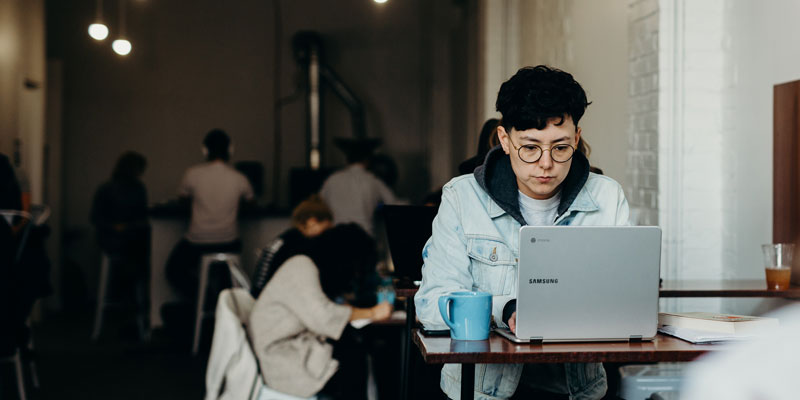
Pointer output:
x,y
343,254
217,143
534,95
486,141
488,131
130,166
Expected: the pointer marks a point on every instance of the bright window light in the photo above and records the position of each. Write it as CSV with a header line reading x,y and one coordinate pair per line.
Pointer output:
x,y
98,31
121,47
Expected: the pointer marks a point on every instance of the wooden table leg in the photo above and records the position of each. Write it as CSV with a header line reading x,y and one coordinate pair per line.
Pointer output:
x,y
467,381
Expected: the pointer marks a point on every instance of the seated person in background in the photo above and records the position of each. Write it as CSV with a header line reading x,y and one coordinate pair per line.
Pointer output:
x,y
119,211
10,194
310,218
215,190
24,265
486,141
353,193
119,215
11,317
299,322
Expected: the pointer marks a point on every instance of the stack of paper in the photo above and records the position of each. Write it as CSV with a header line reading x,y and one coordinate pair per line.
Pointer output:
x,y
704,327
701,337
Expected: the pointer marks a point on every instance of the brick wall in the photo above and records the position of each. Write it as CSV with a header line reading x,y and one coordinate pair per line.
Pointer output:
x,y
643,86
678,77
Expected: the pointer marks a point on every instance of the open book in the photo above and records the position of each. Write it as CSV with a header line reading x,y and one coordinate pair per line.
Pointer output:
x,y
719,323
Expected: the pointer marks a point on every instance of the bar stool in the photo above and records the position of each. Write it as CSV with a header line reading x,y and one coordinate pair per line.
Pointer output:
x,y
105,267
102,304
232,261
17,360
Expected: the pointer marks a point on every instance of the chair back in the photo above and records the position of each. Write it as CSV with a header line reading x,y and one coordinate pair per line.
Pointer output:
x,y
22,219
26,220
233,349
232,365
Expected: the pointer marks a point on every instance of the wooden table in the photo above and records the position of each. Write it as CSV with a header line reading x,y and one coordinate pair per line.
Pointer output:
x,y
676,288
498,350
698,288
725,288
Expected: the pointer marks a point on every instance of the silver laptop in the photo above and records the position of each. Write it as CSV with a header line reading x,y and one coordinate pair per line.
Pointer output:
x,y
587,283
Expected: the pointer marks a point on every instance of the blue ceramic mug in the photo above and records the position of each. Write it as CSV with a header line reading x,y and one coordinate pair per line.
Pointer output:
x,y
467,314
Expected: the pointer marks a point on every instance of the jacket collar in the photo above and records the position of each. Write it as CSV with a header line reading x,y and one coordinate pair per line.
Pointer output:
x,y
497,178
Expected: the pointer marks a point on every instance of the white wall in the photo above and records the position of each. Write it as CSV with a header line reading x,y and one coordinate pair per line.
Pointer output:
x,y
764,40
726,57
589,39
22,58
10,59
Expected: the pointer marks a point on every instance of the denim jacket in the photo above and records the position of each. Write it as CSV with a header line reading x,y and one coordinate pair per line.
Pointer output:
x,y
475,246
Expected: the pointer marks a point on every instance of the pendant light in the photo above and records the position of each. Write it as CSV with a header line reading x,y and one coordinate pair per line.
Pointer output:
x,y
98,30
122,46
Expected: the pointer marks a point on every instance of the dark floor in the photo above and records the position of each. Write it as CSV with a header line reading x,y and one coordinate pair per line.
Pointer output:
x,y
117,366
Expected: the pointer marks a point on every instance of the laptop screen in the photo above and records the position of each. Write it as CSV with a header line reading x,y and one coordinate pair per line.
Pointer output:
x,y
408,228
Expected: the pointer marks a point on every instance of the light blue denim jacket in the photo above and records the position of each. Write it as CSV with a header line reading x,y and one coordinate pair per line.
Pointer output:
x,y
475,246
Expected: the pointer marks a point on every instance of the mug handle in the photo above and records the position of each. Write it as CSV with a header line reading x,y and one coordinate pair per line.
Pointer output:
x,y
444,307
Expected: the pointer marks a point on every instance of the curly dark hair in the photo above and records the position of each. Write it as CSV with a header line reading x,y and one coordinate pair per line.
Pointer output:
x,y
537,94
345,256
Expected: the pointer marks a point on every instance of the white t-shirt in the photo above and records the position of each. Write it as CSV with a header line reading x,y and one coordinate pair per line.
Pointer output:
x,y
539,212
215,189
353,194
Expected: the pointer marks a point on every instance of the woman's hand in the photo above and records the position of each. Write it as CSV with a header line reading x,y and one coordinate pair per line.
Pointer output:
x,y
375,313
382,311
512,323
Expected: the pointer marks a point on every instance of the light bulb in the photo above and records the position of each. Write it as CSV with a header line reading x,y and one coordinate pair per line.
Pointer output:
x,y
98,31
121,47
380,1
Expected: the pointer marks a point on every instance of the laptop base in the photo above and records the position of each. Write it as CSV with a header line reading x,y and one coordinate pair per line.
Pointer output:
x,y
506,333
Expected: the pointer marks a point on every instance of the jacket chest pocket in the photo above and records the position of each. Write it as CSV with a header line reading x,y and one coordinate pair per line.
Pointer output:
x,y
493,266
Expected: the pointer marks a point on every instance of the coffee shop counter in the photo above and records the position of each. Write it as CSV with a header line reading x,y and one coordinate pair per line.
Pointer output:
x,y
257,227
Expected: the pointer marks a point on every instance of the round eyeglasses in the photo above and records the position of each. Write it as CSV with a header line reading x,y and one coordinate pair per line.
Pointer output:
x,y
531,153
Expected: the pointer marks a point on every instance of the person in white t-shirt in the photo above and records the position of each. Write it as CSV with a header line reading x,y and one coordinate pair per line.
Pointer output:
x,y
215,190
354,193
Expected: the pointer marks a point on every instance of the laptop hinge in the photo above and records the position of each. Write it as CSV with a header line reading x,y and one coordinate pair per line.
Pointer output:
x,y
537,340
635,338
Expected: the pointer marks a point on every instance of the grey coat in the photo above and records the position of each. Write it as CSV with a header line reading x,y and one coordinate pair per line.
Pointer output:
x,y
289,325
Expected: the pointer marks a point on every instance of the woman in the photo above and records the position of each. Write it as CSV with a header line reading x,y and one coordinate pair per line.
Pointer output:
x,y
119,211
298,323
119,214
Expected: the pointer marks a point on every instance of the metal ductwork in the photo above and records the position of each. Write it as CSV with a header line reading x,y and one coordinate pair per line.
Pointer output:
x,y
309,54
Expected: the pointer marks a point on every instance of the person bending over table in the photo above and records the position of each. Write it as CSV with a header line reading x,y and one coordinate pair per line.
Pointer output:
x,y
299,323
310,218
534,177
